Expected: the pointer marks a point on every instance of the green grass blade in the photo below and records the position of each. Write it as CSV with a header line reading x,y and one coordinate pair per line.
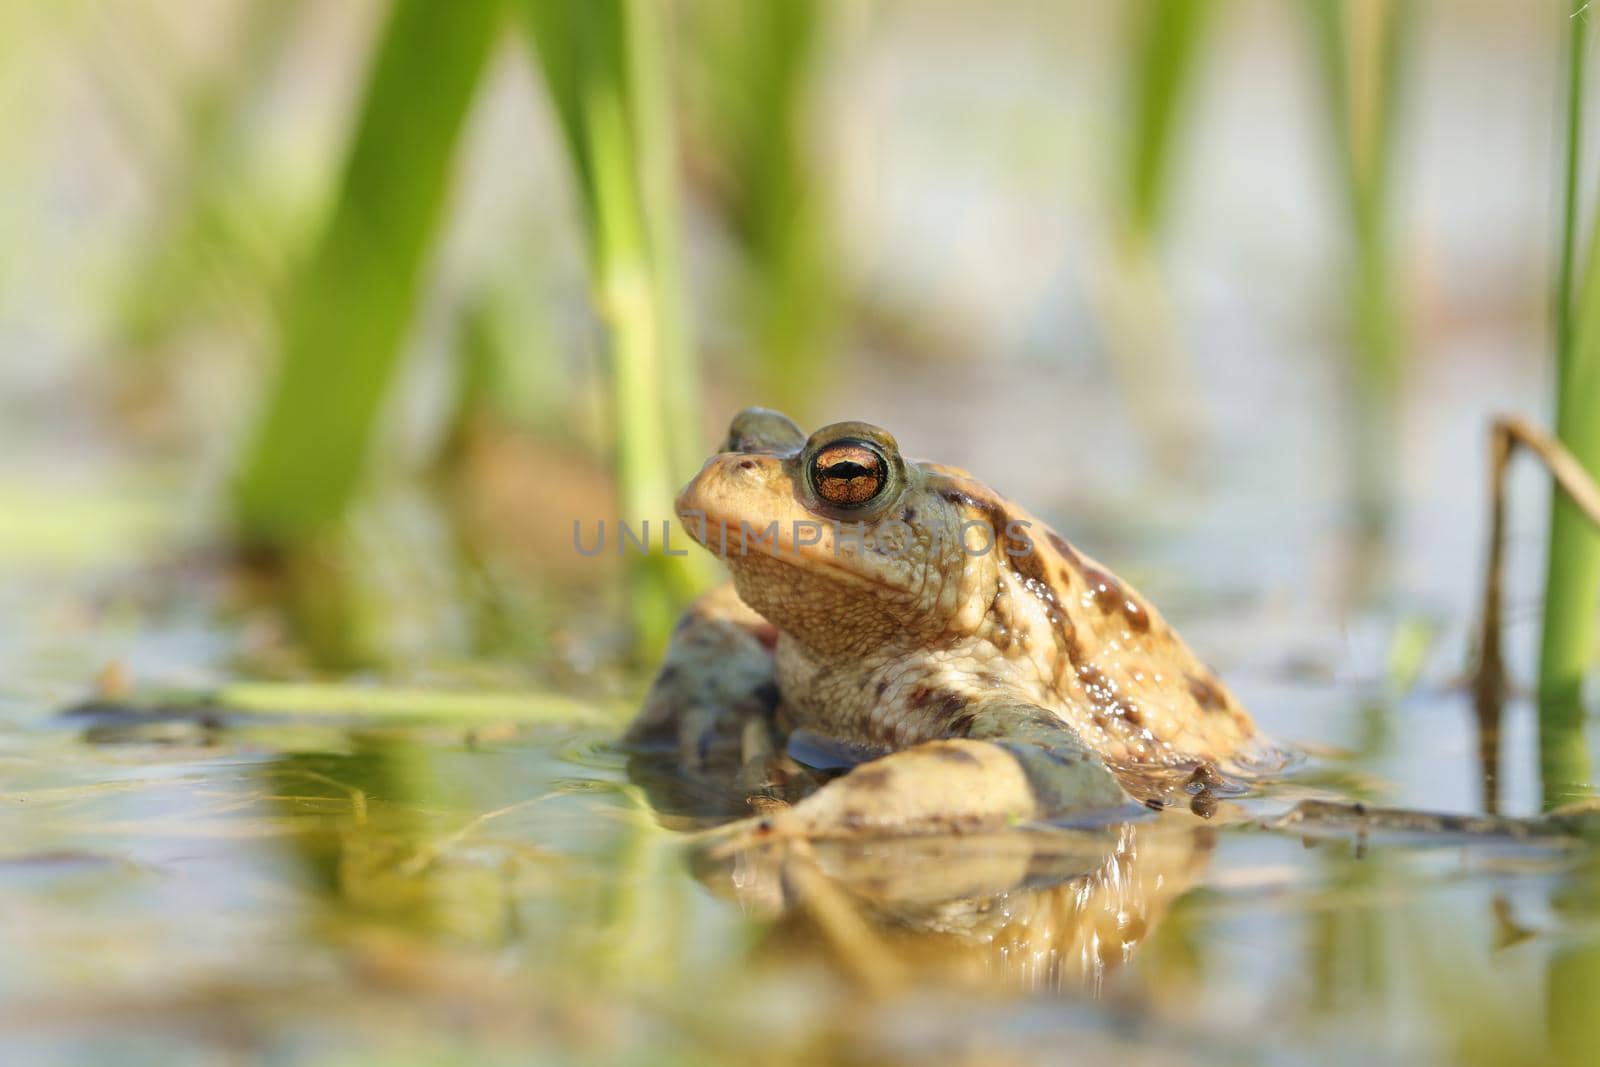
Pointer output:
x,y
1572,579
1167,41
345,321
1577,39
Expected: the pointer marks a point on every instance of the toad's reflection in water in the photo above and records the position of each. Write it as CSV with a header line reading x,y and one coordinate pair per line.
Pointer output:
x,y
1011,911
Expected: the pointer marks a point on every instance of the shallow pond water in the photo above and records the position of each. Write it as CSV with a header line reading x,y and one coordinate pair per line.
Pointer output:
x,y
217,887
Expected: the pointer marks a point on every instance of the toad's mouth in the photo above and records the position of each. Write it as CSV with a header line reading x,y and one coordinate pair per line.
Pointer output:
x,y
856,571
731,539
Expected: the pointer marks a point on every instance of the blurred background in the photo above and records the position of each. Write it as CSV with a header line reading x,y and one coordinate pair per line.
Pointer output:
x,y
384,310
322,323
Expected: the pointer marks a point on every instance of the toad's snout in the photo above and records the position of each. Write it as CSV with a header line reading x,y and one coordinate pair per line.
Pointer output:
x,y
731,487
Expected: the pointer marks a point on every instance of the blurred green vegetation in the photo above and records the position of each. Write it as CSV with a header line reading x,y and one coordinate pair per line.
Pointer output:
x,y
1363,48
749,99
607,69
218,239
603,63
345,320
1167,42
1151,356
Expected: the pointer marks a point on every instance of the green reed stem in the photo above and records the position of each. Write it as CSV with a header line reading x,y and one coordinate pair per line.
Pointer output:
x,y
1577,39
1572,579
604,67
345,320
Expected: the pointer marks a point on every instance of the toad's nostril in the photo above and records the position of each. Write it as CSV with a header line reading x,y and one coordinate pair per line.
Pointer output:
x,y
747,464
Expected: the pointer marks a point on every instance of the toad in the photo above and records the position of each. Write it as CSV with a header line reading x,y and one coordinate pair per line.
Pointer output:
x,y
959,660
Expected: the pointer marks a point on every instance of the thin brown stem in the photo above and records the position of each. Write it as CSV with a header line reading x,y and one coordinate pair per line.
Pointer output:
x,y
1508,433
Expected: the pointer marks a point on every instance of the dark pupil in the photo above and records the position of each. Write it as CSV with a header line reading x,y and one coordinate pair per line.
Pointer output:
x,y
851,476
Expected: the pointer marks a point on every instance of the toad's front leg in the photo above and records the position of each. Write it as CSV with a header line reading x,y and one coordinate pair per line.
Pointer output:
x,y
1015,762
715,694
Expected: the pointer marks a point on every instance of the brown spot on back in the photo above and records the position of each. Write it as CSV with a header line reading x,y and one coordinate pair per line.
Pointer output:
x,y
1206,693
1059,543
1111,598
872,779
955,754
1131,713
1069,642
1107,591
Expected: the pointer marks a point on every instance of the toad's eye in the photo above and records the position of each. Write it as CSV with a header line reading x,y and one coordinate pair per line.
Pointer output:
x,y
849,474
